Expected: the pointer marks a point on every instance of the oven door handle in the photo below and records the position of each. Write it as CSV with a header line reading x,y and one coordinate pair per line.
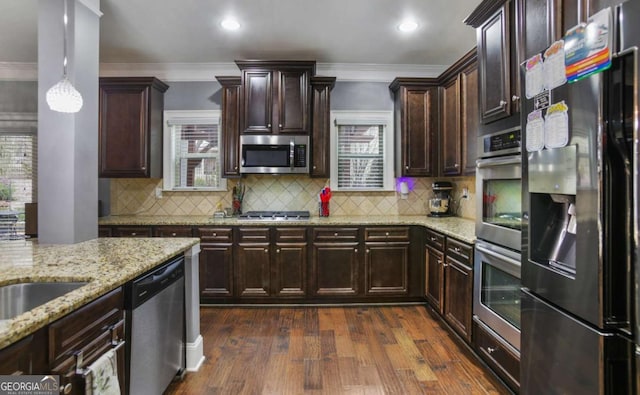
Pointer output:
x,y
509,160
497,256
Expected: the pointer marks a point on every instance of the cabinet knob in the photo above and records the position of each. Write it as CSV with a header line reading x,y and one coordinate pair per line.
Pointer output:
x,y
133,233
266,250
314,167
269,125
456,165
173,234
214,234
335,234
387,234
280,126
406,167
503,103
456,249
432,238
67,389
515,98
367,251
491,350
355,250
235,168
278,250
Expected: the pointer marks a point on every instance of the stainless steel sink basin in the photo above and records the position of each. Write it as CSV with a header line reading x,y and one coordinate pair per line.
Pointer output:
x,y
16,299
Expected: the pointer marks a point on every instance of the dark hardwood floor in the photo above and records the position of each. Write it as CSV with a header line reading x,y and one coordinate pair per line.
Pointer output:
x,y
332,350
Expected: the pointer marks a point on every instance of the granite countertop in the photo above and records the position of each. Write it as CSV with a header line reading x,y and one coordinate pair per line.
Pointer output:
x,y
460,228
104,263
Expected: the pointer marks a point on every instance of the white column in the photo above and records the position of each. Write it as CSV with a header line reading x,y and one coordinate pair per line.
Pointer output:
x,y
68,143
194,344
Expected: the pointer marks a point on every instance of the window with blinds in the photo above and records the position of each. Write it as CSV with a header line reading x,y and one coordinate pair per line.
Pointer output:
x,y
18,179
362,151
193,151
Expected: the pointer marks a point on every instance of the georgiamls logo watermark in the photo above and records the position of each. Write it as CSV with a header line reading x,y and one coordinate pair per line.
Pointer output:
x,y
29,385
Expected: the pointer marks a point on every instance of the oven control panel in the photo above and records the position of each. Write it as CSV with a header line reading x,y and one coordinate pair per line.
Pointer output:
x,y
501,143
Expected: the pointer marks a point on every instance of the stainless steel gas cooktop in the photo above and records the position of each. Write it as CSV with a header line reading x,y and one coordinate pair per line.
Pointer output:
x,y
275,216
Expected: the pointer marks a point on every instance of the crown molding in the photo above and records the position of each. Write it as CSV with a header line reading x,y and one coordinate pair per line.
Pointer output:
x,y
23,71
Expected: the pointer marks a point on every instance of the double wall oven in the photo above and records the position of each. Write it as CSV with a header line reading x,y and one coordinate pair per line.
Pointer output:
x,y
499,221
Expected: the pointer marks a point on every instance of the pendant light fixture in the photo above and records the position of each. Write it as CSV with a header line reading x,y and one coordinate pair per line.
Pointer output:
x,y
63,97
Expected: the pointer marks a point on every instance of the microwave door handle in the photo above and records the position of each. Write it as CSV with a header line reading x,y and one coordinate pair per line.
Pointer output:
x,y
292,146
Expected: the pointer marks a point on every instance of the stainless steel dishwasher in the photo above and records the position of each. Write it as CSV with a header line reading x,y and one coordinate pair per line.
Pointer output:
x,y
155,319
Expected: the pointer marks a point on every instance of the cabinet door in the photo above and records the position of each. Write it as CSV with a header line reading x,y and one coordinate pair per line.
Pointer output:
x,y
16,359
290,272
216,270
457,300
470,119
123,131
451,145
495,66
293,102
434,280
230,119
253,270
257,101
335,269
419,128
320,127
386,268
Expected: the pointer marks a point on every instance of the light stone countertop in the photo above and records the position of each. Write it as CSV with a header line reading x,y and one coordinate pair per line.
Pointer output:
x,y
104,263
459,228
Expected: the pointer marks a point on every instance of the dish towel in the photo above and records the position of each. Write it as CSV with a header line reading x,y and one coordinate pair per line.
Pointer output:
x,y
102,376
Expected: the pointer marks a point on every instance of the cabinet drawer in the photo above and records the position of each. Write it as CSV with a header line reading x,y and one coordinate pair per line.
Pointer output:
x,y
79,330
499,356
253,235
396,233
291,235
335,234
222,235
173,231
132,231
460,251
104,231
435,239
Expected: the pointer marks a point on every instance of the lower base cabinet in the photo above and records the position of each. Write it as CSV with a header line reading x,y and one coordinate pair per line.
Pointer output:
x,y
216,263
500,357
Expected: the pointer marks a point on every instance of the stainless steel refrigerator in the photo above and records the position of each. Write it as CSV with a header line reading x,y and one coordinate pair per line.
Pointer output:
x,y
580,278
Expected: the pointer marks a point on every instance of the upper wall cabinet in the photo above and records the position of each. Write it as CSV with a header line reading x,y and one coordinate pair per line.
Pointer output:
x,y
416,126
130,127
230,120
320,126
275,96
498,60
459,117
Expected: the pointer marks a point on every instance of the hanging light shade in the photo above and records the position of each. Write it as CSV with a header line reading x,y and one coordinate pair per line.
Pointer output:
x,y
63,97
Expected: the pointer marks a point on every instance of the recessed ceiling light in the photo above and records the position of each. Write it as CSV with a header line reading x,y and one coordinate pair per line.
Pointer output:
x,y
230,24
408,26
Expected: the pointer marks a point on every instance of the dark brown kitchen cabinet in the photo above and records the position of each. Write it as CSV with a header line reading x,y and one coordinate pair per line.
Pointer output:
x,y
320,126
131,231
172,231
230,125
253,263
216,263
17,359
386,261
335,262
434,270
498,59
275,97
81,337
290,262
416,110
459,117
130,127
105,231
501,357
458,285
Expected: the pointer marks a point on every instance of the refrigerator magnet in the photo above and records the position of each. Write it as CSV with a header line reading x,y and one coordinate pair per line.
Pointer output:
x,y
554,71
535,131
534,78
556,126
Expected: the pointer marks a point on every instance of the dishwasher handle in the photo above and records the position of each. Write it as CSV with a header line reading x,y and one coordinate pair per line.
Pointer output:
x,y
150,284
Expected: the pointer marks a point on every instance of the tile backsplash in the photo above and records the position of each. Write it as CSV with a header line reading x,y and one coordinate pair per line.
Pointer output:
x,y
284,192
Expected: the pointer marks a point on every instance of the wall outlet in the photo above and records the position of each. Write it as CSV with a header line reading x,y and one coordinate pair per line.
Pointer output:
x,y
158,193
465,193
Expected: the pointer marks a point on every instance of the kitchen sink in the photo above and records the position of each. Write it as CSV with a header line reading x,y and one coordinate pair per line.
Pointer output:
x,y
16,299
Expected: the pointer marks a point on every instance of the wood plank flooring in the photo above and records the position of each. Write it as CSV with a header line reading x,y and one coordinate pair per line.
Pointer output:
x,y
332,350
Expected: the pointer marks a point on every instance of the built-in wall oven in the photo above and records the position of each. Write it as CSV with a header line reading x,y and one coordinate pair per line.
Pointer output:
x,y
499,221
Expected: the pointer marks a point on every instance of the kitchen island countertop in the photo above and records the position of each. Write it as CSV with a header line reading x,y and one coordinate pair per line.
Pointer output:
x,y
104,263
459,228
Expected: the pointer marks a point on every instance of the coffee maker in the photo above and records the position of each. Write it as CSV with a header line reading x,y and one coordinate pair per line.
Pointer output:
x,y
439,205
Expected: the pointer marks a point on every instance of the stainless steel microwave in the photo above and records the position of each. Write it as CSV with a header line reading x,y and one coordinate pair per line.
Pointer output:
x,y
274,154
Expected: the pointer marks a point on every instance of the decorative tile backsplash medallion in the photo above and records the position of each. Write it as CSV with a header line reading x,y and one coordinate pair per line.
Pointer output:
x,y
284,192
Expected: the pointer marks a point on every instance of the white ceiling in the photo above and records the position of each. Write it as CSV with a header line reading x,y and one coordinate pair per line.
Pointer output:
x,y
328,31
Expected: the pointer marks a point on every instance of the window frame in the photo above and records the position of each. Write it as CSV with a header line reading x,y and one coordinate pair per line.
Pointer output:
x,y
383,118
188,117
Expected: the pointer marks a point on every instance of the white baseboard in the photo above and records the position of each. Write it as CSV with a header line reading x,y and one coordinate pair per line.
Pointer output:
x,y
195,355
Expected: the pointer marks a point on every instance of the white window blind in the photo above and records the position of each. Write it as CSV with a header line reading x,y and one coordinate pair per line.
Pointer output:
x,y
362,151
194,160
